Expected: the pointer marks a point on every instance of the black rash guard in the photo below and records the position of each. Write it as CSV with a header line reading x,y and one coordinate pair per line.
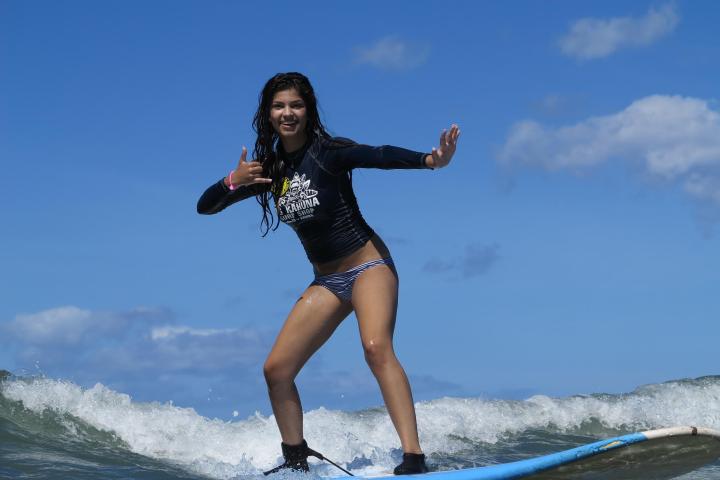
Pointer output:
x,y
316,197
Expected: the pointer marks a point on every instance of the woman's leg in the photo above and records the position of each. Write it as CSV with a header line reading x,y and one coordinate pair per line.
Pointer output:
x,y
374,299
310,323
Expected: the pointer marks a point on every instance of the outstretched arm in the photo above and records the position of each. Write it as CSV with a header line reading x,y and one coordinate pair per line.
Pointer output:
x,y
441,156
344,157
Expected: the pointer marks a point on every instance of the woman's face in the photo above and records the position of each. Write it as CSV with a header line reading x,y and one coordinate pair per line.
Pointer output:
x,y
288,117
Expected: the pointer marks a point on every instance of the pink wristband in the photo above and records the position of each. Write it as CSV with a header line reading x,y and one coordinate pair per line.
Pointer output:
x,y
230,184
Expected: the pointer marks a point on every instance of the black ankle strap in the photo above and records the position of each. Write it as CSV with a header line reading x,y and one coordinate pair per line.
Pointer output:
x,y
294,454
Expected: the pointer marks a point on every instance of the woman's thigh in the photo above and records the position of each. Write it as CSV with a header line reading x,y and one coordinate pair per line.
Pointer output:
x,y
375,299
312,320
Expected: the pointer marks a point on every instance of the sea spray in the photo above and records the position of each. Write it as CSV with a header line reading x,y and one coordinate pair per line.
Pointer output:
x,y
455,432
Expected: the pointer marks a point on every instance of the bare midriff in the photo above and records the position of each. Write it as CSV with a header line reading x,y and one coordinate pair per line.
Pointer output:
x,y
373,249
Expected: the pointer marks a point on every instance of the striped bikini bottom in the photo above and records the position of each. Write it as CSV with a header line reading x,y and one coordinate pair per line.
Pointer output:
x,y
341,284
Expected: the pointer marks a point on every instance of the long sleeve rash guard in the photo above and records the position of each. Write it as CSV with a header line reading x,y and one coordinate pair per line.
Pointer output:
x,y
316,197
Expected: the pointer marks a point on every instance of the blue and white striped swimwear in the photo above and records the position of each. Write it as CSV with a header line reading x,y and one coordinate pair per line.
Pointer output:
x,y
341,284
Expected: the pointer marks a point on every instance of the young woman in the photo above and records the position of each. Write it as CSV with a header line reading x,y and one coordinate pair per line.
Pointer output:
x,y
307,174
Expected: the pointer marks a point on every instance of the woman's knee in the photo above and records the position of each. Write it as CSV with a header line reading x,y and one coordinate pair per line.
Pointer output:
x,y
378,352
277,372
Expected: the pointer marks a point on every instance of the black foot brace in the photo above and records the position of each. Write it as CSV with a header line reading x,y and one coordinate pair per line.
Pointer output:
x,y
412,463
296,458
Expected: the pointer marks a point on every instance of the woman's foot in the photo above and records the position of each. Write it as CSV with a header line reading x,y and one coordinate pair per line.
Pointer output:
x,y
295,458
412,463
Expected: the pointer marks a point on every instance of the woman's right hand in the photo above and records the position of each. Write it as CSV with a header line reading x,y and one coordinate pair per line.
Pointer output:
x,y
246,173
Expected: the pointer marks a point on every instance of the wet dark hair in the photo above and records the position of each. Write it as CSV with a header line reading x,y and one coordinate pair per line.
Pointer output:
x,y
267,138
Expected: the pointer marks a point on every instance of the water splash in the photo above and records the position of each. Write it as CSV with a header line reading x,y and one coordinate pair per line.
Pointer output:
x,y
454,431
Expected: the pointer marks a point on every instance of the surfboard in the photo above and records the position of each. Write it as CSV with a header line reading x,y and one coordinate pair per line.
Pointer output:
x,y
653,455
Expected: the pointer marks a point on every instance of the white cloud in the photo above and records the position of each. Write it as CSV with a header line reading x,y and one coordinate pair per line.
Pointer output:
x,y
63,325
142,353
675,138
595,38
704,187
391,53
187,349
66,337
169,332
69,325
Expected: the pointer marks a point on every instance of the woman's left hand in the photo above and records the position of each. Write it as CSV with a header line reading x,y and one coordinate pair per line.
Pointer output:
x,y
441,155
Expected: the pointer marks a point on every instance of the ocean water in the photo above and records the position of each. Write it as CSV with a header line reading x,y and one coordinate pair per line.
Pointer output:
x,y
52,429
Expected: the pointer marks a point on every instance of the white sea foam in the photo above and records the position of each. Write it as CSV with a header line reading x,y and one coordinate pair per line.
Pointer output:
x,y
654,406
222,449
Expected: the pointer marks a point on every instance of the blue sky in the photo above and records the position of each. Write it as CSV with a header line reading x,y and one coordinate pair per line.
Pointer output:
x,y
570,247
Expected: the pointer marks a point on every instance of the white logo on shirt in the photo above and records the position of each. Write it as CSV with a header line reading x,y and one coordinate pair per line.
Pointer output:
x,y
298,200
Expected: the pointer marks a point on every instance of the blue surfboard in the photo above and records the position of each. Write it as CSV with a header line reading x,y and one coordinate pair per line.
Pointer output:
x,y
653,455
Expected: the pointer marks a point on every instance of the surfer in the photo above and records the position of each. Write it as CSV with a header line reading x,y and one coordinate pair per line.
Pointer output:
x,y
307,174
